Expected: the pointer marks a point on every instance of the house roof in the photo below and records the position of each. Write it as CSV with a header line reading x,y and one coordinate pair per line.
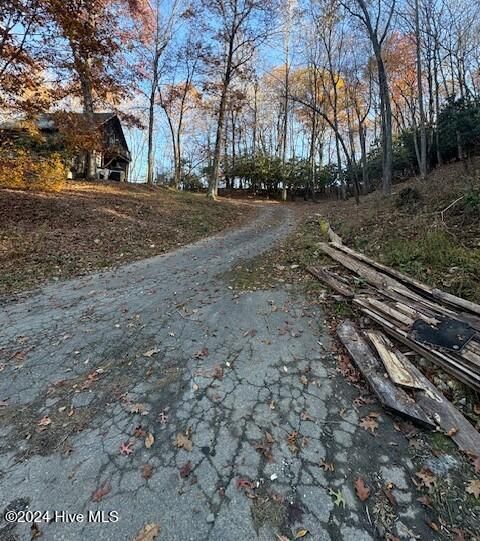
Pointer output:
x,y
46,121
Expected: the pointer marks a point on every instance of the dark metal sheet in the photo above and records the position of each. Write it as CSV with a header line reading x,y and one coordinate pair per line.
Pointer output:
x,y
450,334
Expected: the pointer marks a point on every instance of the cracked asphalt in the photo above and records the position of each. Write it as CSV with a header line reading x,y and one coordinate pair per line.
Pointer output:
x,y
165,347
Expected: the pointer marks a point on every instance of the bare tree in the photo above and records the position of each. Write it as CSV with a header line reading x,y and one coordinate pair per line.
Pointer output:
x,y
239,27
160,38
372,19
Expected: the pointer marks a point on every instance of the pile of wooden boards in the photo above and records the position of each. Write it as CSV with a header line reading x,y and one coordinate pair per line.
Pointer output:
x,y
400,305
396,302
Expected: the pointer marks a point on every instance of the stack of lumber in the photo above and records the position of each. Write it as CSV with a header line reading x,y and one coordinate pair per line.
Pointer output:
x,y
395,302
400,305
404,389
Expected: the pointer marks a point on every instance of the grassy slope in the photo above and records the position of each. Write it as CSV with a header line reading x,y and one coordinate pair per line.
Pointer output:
x,y
412,237
94,225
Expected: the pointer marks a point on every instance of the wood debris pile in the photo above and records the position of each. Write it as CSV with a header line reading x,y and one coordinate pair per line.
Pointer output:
x,y
438,326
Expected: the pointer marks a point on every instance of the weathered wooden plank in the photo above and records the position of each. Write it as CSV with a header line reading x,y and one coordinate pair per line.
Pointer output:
x,y
437,407
325,276
333,237
435,293
396,367
450,365
369,274
389,311
391,396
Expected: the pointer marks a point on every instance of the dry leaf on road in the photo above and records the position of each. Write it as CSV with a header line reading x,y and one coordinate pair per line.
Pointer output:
x,y
149,440
327,466
147,471
369,424
148,533
182,441
362,490
101,491
292,442
186,469
301,533
126,448
427,479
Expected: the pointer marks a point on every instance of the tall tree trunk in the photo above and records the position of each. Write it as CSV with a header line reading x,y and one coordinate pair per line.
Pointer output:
x,y
363,150
423,132
386,113
83,71
385,104
213,180
151,119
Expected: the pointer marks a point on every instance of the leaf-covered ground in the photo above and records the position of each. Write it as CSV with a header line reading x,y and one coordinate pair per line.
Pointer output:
x,y
409,232
90,226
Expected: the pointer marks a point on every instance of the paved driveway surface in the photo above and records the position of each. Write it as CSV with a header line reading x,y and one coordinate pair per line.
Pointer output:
x,y
157,392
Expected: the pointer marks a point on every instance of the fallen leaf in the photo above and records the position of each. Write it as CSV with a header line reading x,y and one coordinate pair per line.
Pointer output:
x,y
303,380
148,532
126,448
147,471
339,497
452,432
369,424
327,466
44,423
433,526
292,442
139,432
182,441
426,477
362,490
245,484
101,491
163,417
137,408
305,416
149,440
363,400
264,447
473,488
186,469
301,533
201,354
151,352
217,372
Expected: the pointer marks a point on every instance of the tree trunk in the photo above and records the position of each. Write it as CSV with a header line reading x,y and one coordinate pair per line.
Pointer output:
x,y
386,125
151,119
423,133
88,109
213,180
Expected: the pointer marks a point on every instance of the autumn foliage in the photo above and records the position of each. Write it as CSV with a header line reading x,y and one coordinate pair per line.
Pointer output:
x,y
24,170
